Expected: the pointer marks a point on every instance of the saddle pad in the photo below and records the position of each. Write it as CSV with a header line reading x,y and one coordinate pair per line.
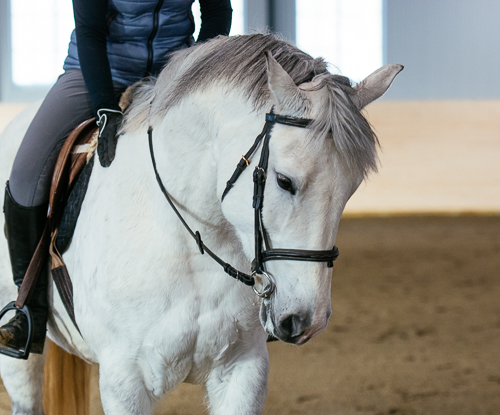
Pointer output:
x,y
72,208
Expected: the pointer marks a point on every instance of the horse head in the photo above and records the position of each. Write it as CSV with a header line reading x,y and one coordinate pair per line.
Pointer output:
x,y
312,172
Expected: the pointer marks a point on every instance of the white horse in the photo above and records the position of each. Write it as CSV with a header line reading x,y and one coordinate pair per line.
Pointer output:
x,y
153,312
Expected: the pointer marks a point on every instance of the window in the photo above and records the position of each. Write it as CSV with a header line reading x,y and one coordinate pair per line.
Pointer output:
x,y
34,49
40,36
347,33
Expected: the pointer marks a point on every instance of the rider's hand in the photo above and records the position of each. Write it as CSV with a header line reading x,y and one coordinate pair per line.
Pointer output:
x,y
109,122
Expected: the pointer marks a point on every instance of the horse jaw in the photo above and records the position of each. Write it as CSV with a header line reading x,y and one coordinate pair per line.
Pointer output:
x,y
375,85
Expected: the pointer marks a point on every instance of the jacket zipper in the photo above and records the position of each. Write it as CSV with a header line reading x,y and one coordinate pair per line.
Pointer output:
x,y
149,67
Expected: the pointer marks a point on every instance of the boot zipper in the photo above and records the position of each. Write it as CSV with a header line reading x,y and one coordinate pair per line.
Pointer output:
x,y
152,36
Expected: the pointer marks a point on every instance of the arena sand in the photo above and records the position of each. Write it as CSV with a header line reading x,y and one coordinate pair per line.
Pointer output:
x,y
415,327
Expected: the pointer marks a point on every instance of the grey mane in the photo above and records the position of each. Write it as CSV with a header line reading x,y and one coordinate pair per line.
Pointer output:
x,y
240,63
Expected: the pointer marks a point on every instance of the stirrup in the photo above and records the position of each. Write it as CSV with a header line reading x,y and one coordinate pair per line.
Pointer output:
x,y
22,353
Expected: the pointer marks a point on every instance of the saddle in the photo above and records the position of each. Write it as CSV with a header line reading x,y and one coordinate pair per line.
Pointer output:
x,y
68,188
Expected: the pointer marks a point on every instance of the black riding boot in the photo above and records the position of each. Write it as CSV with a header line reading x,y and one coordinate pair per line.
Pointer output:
x,y
23,229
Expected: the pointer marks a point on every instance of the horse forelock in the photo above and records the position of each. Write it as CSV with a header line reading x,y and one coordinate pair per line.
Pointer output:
x,y
352,134
239,63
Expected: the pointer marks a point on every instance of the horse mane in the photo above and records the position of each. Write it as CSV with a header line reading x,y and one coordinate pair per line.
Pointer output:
x,y
239,62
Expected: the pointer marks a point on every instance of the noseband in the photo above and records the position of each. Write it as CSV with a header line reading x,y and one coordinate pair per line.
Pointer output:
x,y
262,255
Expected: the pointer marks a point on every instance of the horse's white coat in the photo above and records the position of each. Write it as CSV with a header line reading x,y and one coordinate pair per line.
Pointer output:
x,y
153,311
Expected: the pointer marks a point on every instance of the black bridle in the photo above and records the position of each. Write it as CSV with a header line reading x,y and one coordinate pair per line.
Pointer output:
x,y
261,238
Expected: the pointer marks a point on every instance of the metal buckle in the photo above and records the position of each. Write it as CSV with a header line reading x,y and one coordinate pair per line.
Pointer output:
x,y
265,280
260,175
21,353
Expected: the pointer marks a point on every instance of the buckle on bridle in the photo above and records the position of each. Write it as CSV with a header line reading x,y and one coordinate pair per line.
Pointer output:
x,y
259,175
264,280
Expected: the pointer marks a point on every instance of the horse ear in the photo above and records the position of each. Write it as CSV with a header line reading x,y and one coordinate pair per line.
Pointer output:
x,y
375,85
287,95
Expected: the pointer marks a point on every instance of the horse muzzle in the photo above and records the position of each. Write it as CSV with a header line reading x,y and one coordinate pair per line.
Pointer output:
x,y
289,327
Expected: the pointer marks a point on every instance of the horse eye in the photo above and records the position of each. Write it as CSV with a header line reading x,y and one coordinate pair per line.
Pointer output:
x,y
285,183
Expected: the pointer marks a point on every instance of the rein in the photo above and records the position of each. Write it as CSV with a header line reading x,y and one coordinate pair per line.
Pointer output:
x,y
228,269
261,238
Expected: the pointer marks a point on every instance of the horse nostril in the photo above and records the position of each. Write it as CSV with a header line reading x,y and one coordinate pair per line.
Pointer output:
x,y
292,325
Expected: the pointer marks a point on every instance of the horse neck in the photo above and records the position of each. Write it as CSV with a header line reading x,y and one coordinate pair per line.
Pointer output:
x,y
198,142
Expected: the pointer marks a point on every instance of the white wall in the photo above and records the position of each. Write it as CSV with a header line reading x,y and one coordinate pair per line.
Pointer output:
x,y
449,48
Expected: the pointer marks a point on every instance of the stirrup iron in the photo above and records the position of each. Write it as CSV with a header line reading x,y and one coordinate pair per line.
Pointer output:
x,y
22,353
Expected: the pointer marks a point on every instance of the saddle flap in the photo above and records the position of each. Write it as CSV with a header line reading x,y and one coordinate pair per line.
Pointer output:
x,y
69,164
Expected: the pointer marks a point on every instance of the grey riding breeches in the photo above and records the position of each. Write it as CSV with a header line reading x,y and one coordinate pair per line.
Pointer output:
x,y
66,105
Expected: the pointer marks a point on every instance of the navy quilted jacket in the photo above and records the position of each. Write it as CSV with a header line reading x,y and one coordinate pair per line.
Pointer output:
x,y
140,34
125,40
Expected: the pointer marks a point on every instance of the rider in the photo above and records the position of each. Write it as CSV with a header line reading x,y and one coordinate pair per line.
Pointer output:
x,y
115,43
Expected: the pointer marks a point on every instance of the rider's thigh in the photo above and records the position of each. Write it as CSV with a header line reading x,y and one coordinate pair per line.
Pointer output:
x,y
66,105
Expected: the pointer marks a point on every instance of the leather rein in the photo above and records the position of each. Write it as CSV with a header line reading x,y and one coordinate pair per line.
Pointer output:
x,y
261,238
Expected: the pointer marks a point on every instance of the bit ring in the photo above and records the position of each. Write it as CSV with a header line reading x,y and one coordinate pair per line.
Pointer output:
x,y
269,286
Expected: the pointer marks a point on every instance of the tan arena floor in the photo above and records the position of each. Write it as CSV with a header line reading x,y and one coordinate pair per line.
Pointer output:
x,y
437,157
415,328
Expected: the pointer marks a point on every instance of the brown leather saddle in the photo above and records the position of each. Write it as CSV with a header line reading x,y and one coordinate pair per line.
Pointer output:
x,y
75,154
